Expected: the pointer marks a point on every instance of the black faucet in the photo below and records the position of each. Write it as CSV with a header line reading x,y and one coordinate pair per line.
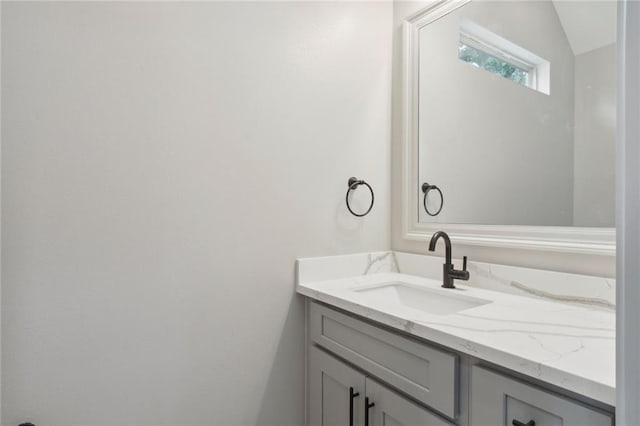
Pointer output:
x,y
448,272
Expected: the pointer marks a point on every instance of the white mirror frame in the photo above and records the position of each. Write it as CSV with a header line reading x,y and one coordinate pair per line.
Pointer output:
x,y
595,241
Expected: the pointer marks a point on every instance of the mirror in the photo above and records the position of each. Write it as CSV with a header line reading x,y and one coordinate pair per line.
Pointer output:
x,y
514,113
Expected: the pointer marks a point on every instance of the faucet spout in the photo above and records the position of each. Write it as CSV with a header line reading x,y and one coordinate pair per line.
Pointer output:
x,y
449,273
447,244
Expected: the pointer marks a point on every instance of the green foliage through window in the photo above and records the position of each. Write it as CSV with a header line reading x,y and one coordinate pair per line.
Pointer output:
x,y
493,64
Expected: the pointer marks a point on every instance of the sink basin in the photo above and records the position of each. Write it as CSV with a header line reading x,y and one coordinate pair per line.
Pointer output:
x,y
406,296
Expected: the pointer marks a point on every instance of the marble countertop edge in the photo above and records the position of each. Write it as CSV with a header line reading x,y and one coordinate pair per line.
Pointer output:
x,y
599,390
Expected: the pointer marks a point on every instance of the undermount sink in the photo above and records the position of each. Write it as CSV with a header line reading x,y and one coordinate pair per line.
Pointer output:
x,y
403,296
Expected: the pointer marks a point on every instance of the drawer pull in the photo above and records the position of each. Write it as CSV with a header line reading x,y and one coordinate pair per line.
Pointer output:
x,y
518,423
367,405
352,396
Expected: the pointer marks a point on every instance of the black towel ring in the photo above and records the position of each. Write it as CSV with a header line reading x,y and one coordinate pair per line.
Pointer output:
x,y
426,188
353,184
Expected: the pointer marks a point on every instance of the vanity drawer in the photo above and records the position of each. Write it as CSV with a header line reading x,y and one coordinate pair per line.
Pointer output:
x,y
423,372
499,400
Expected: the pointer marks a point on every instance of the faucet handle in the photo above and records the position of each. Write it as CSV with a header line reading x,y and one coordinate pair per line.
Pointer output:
x,y
464,263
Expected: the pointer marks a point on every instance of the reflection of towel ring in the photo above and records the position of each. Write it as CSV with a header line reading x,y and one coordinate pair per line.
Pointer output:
x,y
426,188
353,184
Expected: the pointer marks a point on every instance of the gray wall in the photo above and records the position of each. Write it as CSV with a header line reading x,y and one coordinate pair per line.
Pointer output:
x,y
627,217
0,215
163,165
501,153
595,138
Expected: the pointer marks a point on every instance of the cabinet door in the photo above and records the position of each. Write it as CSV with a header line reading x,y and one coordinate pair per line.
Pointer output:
x,y
336,391
392,409
500,400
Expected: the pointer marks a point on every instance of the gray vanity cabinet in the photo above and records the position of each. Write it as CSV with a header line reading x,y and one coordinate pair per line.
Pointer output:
x,y
427,374
500,400
413,382
338,394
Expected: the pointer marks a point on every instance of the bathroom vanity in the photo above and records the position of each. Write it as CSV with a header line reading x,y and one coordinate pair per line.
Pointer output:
x,y
391,348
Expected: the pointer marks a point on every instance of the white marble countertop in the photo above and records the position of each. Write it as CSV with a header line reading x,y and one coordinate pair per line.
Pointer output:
x,y
572,347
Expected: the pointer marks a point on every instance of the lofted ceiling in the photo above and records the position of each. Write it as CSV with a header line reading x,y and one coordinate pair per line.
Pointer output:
x,y
587,24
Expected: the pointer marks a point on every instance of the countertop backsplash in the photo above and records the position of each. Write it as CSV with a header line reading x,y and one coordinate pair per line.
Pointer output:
x,y
579,290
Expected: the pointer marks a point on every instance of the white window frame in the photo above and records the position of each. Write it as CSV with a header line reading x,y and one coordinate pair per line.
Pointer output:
x,y
530,69
482,39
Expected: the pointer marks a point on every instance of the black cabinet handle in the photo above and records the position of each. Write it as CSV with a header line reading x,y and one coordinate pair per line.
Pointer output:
x,y
352,396
518,423
368,405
